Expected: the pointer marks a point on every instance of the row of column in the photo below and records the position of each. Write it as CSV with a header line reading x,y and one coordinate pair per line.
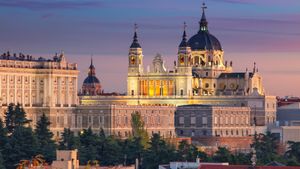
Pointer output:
x,y
156,87
48,98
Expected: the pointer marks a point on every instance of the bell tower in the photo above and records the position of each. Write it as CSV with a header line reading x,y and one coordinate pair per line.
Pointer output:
x,y
184,68
135,65
184,51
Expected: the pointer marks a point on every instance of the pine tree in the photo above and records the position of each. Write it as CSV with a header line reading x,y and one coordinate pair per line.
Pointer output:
x,y
3,135
20,119
112,152
15,116
10,118
159,152
222,155
22,145
68,140
100,146
88,146
2,161
46,146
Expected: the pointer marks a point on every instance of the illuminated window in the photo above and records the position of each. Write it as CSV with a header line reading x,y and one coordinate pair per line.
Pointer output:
x,y
151,88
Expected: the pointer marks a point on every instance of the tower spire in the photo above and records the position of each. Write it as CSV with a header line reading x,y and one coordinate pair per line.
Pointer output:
x,y
184,37
203,22
135,43
92,71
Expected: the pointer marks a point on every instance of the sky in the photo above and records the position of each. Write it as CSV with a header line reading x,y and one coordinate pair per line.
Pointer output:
x,y
263,31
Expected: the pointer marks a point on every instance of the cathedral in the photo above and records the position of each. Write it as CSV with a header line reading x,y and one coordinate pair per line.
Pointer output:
x,y
200,76
200,70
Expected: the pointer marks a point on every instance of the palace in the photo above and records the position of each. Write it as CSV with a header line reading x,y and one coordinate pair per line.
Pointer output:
x,y
200,76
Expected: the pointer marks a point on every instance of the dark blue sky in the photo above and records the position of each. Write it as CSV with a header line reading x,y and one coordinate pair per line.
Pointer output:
x,y
265,31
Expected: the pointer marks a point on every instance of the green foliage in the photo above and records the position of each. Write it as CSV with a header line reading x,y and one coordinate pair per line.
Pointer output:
x,y
68,140
15,116
293,151
3,135
2,161
266,146
112,152
138,130
241,159
22,144
46,145
88,146
159,152
189,152
222,155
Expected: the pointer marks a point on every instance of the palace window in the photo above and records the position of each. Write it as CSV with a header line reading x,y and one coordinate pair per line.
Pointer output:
x,y
193,120
181,120
204,121
216,120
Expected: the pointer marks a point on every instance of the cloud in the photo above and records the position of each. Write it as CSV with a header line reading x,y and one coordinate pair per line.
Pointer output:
x,y
48,5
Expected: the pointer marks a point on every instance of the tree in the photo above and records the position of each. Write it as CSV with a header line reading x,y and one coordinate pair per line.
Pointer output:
x,y
101,144
132,149
68,140
241,159
222,155
3,135
22,145
112,152
159,152
15,116
88,146
293,151
46,146
138,130
189,152
266,147
2,161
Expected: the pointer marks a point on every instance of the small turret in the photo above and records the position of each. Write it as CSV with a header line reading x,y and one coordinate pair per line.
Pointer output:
x,y
203,22
135,43
184,42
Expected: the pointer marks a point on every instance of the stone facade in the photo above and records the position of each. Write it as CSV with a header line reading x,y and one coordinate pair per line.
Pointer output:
x,y
116,119
39,85
262,107
38,82
205,120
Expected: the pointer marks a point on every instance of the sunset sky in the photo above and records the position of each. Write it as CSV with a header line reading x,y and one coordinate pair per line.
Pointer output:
x,y
263,31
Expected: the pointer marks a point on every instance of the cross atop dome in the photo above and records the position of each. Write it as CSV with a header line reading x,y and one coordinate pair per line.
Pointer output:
x,y
203,7
203,22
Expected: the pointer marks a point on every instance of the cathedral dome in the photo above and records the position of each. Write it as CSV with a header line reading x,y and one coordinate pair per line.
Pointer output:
x,y
91,84
91,80
203,40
